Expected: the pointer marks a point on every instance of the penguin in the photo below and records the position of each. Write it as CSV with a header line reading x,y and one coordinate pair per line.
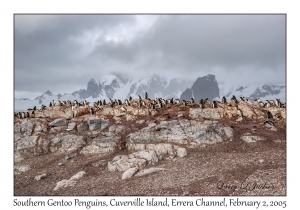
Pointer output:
x,y
120,102
224,101
152,106
183,102
177,101
139,103
146,95
130,98
206,101
215,105
234,99
261,104
240,113
34,108
278,103
27,115
242,98
92,111
50,105
269,123
139,97
100,103
269,115
23,115
104,102
267,104
143,103
192,100
257,100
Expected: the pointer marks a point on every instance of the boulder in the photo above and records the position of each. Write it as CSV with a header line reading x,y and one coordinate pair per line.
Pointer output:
x,y
149,171
58,122
39,177
129,173
82,126
98,123
64,183
78,175
71,126
181,152
250,138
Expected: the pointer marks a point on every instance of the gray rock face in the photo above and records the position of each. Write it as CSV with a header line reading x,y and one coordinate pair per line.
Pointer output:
x,y
208,113
183,132
67,143
203,87
129,173
58,122
82,126
250,138
101,145
98,123
71,126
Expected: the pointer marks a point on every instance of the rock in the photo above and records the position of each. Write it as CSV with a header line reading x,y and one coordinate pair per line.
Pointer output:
x,y
39,177
71,126
100,163
95,149
78,175
248,138
208,113
98,123
129,173
140,121
67,143
180,114
64,183
70,156
151,125
261,161
82,126
148,171
58,122
24,168
181,152
26,127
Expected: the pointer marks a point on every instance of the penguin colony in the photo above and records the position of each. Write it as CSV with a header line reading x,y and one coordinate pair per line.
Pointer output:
x,y
151,104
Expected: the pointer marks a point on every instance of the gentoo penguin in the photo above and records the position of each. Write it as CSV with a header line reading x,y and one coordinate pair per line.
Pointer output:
x,y
100,103
278,103
110,101
50,105
146,95
143,103
267,104
215,105
177,101
207,101
261,104
27,114
269,123
234,99
242,98
257,100
92,111
269,115
152,106
192,100
104,102
120,102
34,108
130,98
22,115
240,113
183,102
139,97
224,101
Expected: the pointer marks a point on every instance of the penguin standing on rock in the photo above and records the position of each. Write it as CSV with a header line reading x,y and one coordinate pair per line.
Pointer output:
x,y
146,95
104,102
215,105
92,111
224,101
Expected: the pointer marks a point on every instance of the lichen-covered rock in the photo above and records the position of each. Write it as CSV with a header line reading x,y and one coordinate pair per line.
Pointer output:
x,y
129,173
67,143
98,123
58,122
71,126
183,132
251,138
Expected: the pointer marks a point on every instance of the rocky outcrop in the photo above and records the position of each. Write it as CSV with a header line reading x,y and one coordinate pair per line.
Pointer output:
x,y
185,131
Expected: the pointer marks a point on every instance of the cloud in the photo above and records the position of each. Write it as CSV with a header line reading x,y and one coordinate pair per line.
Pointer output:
x,y
64,51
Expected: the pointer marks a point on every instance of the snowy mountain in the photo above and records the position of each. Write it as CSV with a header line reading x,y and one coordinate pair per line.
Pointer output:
x,y
117,86
264,92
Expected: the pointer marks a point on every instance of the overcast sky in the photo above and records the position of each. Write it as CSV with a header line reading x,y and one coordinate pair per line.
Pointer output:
x,y
61,53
